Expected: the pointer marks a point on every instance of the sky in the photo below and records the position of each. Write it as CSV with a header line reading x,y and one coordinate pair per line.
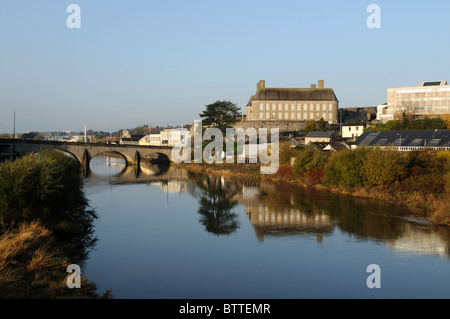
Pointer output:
x,y
150,62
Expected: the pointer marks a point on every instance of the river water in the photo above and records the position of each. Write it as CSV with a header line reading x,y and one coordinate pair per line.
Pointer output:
x,y
163,233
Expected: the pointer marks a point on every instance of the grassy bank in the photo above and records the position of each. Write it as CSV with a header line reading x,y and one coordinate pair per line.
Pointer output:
x,y
417,179
45,225
33,265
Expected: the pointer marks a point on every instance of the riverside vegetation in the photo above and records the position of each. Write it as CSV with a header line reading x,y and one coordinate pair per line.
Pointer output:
x,y
45,225
419,179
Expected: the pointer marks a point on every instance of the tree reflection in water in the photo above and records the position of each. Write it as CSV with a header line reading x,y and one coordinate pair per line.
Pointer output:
x,y
216,202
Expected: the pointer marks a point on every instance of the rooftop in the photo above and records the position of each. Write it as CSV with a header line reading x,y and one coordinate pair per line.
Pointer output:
x,y
319,134
423,138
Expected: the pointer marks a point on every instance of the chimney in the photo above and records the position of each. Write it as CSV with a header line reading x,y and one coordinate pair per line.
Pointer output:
x,y
320,84
313,86
261,85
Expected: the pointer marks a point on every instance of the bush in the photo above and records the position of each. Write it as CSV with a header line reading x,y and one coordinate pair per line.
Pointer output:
x,y
345,169
46,189
308,159
286,153
314,177
382,167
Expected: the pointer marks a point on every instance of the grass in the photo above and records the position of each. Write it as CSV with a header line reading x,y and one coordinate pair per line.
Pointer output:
x,y
33,265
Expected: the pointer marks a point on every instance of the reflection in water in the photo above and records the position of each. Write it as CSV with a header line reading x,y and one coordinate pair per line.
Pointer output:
x,y
107,165
216,202
276,211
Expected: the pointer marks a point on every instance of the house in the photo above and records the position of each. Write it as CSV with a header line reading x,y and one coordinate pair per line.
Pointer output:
x,y
145,140
293,104
291,141
132,140
319,137
352,131
406,140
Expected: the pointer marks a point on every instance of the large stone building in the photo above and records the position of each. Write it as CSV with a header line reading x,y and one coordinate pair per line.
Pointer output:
x,y
293,104
430,99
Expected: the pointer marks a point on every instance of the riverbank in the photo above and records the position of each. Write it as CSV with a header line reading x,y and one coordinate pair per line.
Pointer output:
x,y
434,207
46,224
33,265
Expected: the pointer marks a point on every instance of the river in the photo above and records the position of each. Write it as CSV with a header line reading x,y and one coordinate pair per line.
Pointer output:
x,y
163,233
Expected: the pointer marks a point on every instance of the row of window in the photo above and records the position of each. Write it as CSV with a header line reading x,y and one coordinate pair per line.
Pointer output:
x,y
299,107
426,108
447,89
421,148
294,116
419,99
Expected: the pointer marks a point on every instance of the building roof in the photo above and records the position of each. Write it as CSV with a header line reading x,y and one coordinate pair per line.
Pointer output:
x,y
319,134
294,94
423,138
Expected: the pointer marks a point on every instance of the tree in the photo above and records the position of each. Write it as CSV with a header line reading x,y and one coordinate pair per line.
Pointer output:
x,y
322,125
310,126
139,130
220,114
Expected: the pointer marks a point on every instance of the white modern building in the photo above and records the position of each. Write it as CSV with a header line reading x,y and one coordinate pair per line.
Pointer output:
x,y
428,99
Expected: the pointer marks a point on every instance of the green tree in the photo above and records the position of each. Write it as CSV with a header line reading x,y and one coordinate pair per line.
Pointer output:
x,y
310,126
322,125
220,114
139,130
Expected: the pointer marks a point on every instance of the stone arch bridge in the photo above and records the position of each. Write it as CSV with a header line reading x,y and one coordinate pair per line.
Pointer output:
x,y
84,152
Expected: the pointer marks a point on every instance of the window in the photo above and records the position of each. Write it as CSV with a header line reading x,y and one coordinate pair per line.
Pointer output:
x,y
292,107
261,115
286,116
324,107
299,107
311,116
330,107
267,115
280,107
330,116
311,107
305,107
280,116
292,116
317,107
261,107
274,107
286,107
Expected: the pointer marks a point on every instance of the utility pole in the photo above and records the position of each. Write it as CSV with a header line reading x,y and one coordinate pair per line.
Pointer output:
x,y
14,133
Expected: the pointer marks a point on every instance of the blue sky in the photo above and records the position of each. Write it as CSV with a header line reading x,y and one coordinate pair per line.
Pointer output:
x,y
161,62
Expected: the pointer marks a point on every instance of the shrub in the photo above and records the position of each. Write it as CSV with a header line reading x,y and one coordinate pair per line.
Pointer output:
x,y
345,169
285,172
45,188
382,167
286,153
308,159
314,176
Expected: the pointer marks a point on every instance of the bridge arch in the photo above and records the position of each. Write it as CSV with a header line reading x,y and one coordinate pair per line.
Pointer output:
x,y
61,150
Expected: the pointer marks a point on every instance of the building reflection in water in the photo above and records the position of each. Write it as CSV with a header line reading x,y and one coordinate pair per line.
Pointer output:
x,y
277,211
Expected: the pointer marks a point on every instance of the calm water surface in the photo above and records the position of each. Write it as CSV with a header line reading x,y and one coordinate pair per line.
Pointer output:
x,y
168,234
